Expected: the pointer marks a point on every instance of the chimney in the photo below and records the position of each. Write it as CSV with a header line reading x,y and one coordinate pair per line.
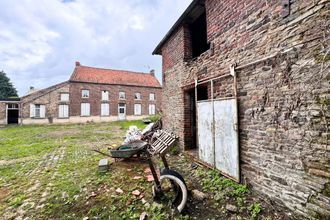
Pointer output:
x,y
77,63
152,72
31,88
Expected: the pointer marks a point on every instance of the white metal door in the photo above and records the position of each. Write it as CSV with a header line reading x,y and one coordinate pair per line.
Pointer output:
x,y
226,137
205,134
122,111
218,135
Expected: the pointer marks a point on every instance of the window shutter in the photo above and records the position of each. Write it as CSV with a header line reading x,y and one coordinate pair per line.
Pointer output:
x,y
42,111
105,95
63,111
88,109
60,111
152,109
82,109
105,109
32,112
137,109
85,109
66,111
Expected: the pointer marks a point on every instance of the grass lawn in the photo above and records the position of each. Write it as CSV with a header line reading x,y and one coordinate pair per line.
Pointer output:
x,y
51,172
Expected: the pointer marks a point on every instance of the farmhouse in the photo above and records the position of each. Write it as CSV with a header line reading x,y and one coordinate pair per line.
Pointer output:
x,y
246,87
90,95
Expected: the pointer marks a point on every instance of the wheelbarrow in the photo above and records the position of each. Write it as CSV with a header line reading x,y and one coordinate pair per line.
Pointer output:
x,y
170,185
128,150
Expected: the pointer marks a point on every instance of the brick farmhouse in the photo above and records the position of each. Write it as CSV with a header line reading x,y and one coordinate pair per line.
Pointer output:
x,y
90,95
279,86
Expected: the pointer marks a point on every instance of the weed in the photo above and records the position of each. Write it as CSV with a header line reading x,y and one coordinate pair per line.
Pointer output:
x,y
17,200
255,210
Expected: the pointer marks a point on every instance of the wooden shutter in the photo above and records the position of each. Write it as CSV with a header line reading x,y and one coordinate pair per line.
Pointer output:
x,y
32,110
105,95
105,109
152,109
85,109
137,109
42,111
66,111
63,111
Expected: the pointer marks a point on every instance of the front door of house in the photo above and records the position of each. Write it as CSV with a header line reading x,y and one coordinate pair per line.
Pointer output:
x,y
121,111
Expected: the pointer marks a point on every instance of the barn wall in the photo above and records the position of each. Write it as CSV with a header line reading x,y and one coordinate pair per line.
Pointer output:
x,y
283,97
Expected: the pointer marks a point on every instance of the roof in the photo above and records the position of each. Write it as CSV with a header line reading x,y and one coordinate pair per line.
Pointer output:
x,y
44,91
114,77
10,99
178,23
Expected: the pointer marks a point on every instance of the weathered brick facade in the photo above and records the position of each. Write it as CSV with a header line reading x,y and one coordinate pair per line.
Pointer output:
x,y
51,97
95,98
283,93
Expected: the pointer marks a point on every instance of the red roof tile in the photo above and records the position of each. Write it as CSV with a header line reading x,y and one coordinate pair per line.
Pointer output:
x,y
116,77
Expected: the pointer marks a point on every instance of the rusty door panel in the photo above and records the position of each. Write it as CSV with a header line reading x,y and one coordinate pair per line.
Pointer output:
x,y
205,134
226,137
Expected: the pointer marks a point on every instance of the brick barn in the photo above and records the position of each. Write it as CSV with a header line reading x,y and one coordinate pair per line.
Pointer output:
x,y
246,87
91,95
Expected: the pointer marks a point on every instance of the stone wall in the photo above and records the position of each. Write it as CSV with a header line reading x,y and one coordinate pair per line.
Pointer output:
x,y
283,94
3,113
49,97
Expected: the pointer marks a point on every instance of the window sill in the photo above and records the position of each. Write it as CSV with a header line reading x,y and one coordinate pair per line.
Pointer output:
x,y
63,118
38,118
85,116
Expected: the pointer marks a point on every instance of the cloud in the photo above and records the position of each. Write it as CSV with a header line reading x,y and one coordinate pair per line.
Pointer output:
x,y
40,41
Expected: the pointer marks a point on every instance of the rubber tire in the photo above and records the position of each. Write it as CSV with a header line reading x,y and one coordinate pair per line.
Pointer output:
x,y
182,195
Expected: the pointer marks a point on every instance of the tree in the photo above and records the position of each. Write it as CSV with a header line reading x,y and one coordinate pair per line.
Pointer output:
x,y
6,87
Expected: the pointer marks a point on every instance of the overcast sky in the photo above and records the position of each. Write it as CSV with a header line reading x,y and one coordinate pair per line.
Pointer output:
x,y
40,40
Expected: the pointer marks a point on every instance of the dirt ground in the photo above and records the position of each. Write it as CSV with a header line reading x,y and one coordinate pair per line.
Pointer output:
x,y
51,172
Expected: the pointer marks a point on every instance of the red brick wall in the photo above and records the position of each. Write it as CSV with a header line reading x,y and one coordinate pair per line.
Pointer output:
x,y
176,48
95,96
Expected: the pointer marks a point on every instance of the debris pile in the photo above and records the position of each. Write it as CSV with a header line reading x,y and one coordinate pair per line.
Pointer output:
x,y
135,134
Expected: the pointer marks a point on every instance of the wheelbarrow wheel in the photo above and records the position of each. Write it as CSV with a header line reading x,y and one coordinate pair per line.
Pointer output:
x,y
173,187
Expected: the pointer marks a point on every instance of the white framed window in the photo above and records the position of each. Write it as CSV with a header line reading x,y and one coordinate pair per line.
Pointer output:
x,y
105,110
152,96
122,95
85,93
65,97
152,109
63,111
85,109
37,111
137,109
105,95
137,96
12,106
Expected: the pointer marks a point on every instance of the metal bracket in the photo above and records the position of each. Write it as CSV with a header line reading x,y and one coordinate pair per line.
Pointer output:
x,y
285,8
232,69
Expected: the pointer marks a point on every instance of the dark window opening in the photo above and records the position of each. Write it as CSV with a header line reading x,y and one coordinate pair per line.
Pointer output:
x,y
202,93
190,133
198,31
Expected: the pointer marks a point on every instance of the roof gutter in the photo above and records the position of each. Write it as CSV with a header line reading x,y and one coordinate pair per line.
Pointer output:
x,y
157,50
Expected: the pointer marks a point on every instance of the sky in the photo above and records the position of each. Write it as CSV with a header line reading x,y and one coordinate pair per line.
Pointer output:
x,y
40,40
